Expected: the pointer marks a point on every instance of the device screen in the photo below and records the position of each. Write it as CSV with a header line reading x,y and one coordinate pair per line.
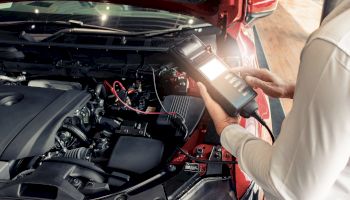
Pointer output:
x,y
213,69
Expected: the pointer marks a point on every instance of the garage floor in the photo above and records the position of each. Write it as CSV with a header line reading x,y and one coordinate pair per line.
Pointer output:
x,y
284,33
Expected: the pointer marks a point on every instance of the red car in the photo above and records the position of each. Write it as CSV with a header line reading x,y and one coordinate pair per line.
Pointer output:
x,y
93,105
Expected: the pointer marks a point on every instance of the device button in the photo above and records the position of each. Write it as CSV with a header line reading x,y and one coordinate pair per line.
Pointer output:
x,y
241,88
245,93
237,83
228,76
233,79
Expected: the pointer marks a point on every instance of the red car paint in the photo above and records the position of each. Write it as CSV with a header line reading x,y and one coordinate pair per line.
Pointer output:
x,y
258,6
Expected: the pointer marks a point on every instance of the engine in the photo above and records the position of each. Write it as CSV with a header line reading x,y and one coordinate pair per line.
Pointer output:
x,y
72,140
31,117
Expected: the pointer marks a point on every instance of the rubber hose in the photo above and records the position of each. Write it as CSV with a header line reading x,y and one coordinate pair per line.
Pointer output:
x,y
77,132
100,89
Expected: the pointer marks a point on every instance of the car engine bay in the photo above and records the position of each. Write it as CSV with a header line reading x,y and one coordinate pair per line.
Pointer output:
x,y
82,136
87,121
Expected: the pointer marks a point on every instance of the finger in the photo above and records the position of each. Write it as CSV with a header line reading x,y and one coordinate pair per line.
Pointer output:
x,y
203,91
220,118
205,95
238,70
268,89
214,109
262,74
209,102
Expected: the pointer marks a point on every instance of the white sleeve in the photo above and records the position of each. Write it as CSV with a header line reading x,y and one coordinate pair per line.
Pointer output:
x,y
313,146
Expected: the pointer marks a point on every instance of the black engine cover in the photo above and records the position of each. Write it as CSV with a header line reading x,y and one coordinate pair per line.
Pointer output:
x,y
136,154
30,118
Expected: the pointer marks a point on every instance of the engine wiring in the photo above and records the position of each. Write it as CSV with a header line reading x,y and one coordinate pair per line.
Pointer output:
x,y
204,161
172,114
114,92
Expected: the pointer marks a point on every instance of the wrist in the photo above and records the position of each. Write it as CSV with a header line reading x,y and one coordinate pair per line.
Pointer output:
x,y
220,128
290,90
221,125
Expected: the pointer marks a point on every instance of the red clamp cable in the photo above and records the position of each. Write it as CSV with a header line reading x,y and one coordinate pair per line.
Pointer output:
x,y
111,88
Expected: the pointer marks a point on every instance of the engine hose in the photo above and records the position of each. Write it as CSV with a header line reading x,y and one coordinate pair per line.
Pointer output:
x,y
110,124
79,153
100,89
82,125
77,132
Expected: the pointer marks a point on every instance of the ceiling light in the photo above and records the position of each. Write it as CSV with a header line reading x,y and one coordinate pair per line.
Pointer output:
x,y
104,17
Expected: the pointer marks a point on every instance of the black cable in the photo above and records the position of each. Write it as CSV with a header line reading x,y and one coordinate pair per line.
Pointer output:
x,y
205,161
156,91
262,122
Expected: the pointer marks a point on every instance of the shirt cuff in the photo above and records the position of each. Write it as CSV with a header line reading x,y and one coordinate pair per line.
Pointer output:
x,y
232,136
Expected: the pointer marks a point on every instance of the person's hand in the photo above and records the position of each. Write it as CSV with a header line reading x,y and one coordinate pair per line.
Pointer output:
x,y
270,83
220,118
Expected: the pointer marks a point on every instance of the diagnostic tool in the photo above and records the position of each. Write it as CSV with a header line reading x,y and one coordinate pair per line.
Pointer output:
x,y
228,89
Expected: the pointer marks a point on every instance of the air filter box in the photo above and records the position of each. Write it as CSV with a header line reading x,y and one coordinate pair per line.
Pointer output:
x,y
190,108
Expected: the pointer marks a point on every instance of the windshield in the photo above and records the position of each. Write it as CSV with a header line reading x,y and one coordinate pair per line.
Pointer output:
x,y
124,17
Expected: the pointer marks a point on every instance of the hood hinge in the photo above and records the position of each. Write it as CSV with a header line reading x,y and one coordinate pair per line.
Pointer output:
x,y
223,22
221,38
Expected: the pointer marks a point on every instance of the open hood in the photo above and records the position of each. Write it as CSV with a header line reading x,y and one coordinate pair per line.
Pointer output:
x,y
220,13
216,12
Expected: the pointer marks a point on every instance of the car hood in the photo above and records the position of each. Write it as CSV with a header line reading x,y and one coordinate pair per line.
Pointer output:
x,y
220,13
216,12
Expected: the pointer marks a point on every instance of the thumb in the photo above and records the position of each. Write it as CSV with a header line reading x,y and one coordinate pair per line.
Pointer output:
x,y
211,105
201,87
203,91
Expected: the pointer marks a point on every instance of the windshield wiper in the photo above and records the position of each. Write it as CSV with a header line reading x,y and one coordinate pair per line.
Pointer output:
x,y
70,23
174,30
70,26
111,31
81,28
62,32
